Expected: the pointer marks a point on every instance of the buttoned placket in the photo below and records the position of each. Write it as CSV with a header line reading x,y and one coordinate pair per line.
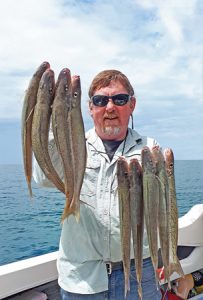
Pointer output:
x,y
105,206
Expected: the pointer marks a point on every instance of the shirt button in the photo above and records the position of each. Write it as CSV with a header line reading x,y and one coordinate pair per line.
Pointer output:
x,y
105,211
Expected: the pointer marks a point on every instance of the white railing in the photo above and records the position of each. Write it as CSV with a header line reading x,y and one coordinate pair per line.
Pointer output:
x,y
25,274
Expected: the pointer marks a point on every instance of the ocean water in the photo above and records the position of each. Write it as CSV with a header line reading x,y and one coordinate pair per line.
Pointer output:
x,y
31,227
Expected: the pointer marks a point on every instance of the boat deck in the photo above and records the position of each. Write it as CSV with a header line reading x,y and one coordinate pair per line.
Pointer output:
x,y
49,291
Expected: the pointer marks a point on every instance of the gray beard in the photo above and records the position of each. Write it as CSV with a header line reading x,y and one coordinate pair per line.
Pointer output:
x,y
111,130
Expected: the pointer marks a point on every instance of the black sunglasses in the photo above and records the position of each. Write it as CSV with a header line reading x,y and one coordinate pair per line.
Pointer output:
x,y
119,100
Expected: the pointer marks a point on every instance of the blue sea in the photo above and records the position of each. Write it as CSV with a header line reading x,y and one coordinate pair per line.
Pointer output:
x,y
31,227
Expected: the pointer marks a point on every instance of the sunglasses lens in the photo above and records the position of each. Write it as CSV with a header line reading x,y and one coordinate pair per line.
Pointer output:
x,y
100,100
120,99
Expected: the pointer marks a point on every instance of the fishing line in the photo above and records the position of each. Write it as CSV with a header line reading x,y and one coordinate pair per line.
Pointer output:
x,y
97,151
124,143
132,123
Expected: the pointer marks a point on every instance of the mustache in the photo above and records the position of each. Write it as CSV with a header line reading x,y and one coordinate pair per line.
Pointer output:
x,y
110,116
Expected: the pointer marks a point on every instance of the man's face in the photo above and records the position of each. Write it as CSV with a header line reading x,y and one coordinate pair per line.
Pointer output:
x,y
111,121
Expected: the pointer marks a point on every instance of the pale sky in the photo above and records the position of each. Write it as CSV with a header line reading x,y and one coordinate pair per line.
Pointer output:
x,y
157,44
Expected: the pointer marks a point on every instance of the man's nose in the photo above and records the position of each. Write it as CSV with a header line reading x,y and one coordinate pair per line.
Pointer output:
x,y
110,105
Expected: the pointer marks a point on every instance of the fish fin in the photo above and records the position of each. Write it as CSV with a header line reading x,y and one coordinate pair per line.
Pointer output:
x,y
162,185
68,117
31,112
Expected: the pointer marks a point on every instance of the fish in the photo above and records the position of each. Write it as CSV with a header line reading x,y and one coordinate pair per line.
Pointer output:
x,y
137,217
62,131
78,145
125,220
29,103
174,264
151,204
163,214
40,128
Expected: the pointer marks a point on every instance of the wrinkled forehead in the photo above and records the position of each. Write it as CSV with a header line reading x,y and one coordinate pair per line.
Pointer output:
x,y
116,85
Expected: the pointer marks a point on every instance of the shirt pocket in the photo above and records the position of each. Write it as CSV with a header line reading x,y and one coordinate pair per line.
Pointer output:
x,y
89,186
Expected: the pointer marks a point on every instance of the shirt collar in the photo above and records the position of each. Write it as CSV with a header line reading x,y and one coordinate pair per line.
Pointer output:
x,y
132,138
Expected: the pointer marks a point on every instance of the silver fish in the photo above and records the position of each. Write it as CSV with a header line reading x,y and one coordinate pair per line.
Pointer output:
x,y
163,208
175,265
151,204
62,131
40,128
78,145
124,212
137,217
27,116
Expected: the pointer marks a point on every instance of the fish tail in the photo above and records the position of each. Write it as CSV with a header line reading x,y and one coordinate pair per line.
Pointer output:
x,y
140,290
157,278
29,187
75,207
176,267
77,215
67,210
127,286
167,276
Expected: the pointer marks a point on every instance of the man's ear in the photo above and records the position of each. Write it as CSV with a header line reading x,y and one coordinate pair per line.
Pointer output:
x,y
90,108
132,103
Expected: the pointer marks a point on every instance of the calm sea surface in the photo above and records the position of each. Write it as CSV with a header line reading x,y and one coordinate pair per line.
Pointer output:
x,y
32,227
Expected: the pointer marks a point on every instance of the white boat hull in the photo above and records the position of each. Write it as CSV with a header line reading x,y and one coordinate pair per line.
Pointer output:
x,y
29,273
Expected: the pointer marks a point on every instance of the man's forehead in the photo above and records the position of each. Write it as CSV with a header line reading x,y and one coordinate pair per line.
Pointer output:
x,y
113,84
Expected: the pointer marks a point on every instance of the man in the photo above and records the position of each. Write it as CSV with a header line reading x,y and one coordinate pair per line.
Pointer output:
x,y
89,262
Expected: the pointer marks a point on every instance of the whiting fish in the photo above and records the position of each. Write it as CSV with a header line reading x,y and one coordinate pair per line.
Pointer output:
x,y
163,214
137,217
62,132
151,203
78,145
125,220
27,116
175,265
40,128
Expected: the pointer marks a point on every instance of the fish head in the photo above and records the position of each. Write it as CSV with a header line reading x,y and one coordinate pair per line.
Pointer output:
x,y
42,68
135,165
76,91
158,158
169,160
122,169
47,86
148,163
63,86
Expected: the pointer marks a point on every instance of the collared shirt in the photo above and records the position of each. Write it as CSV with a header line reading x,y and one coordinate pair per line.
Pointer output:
x,y
86,246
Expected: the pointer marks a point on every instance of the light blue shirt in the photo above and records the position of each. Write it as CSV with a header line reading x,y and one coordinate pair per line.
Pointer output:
x,y
86,246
